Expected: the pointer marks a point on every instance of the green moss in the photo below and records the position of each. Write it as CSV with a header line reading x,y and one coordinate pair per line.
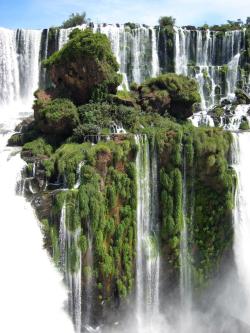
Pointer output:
x,y
57,117
169,94
244,126
38,147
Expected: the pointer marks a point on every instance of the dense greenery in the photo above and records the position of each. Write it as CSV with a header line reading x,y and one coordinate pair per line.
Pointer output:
x,y
169,94
74,20
57,117
107,198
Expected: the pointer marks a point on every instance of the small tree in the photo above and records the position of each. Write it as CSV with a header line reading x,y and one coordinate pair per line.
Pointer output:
x,y
74,20
165,21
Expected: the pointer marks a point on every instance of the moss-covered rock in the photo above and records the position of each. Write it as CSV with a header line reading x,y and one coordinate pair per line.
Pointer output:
x,y
85,68
169,94
56,117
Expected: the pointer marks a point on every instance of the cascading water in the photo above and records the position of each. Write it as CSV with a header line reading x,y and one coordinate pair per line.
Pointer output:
x,y
32,295
68,248
147,259
242,217
198,54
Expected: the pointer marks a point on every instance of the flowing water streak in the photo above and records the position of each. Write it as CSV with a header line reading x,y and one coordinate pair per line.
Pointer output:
x,y
155,59
206,64
155,229
9,71
241,159
69,240
78,174
147,260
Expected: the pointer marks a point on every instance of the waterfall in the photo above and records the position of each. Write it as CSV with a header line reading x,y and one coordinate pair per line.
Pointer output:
x,y
9,71
19,70
155,59
154,225
135,50
32,294
202,55
69,247
242,217
43,56
181,50
78,174
147,260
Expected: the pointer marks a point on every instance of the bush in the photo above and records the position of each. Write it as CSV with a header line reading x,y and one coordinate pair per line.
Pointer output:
x,y
103,115
57,117
74,20
92,66
166,21
37,147
169,93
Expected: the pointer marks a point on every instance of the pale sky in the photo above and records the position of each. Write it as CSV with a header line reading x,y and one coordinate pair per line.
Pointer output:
x,y
45,13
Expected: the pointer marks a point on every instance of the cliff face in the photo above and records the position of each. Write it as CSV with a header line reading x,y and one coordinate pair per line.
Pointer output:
x,y
128,192
96,187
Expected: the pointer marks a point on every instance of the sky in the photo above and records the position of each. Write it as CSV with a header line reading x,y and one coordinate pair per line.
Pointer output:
x,y
39,14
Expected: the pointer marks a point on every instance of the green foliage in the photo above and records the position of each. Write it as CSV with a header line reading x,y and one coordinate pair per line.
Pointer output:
x,y
74,20
85,43
103,115
244,126
57,117
37,147
169,93
166,21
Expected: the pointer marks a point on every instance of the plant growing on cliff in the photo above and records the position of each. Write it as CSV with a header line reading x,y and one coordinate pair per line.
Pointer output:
x,y
169,94
56,117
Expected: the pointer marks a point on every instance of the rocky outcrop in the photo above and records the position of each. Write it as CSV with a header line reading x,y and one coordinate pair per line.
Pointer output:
x,y
85,68
169,94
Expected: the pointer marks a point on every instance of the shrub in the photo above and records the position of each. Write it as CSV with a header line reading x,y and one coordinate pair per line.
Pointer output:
x,y
37,147
92,66
74,20
169,93
57,117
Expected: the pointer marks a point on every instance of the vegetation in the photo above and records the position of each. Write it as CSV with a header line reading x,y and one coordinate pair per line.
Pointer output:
x,y
94,170
57,117
74,20
93,67
169,94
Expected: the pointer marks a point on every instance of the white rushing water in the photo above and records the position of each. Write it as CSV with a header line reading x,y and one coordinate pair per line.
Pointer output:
x,y
147,259
241,159
32,294
203,55
69,243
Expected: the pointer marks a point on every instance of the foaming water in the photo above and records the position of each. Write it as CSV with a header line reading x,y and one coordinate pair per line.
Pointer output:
x,y
242,217
32,294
